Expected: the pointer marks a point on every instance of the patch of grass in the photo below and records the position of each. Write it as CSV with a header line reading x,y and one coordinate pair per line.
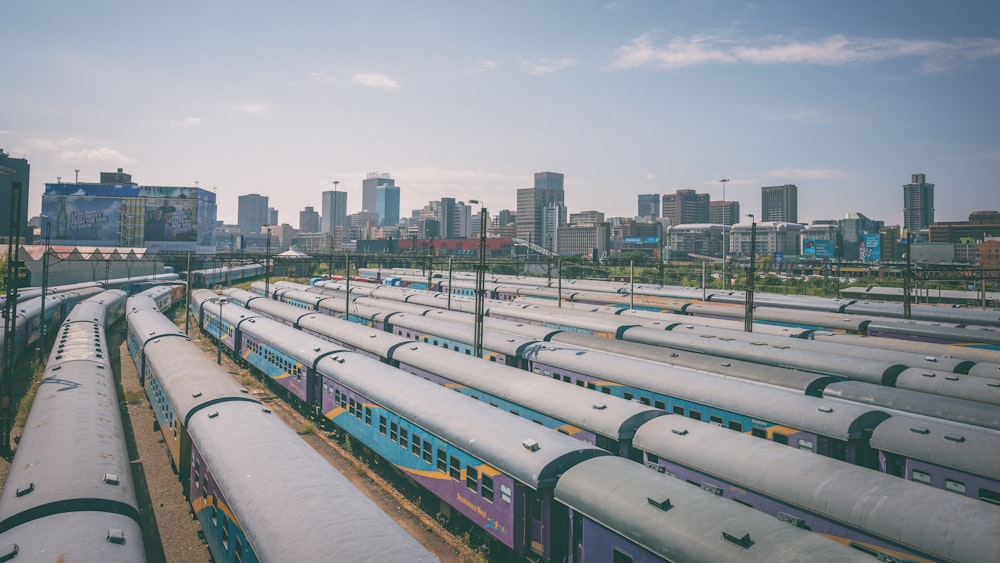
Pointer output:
x,y
307,428
249,382
24,405
133,397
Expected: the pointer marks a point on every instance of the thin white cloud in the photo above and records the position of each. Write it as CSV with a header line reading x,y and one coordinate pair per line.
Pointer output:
x,y
835,50
253,109
787,173
484,65
374,80
321,77
187,122
548,66
72,149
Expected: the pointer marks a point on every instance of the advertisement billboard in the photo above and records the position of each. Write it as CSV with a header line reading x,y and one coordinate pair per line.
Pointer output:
x,y
820,248
83,220
170,219
870,248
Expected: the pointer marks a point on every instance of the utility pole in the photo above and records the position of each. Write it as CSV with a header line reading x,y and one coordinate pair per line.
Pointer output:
x,y
187,295
907,281
748,305
10,314
480,281
45,287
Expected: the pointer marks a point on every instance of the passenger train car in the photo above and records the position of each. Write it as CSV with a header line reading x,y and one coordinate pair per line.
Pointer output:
x,y
236,459
226,275
500,471
69,495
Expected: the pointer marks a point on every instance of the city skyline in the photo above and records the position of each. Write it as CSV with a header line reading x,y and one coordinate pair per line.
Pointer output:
x,y
845,101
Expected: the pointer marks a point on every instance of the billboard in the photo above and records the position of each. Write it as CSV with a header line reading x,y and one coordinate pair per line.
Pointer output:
x,y
820,248
84,220
641,240
169,219
92,190
870,248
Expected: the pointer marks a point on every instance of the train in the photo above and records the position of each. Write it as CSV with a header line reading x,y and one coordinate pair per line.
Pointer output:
x,y
225,275
69,495
601,495
959,325
258,490
840,429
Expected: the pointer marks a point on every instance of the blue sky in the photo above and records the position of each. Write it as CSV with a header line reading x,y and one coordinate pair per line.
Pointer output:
x,y
844,99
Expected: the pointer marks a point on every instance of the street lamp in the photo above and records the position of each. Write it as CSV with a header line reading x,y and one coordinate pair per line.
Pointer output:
x,y
748,305
267,263
333,229
218,335
725,247
45,277
480,279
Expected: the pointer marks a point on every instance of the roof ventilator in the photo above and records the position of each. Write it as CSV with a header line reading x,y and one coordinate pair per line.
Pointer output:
x,y
530,445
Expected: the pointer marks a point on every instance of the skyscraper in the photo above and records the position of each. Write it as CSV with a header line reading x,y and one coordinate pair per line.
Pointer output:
x,y
369,189
252,213
272,216
649,205
686,206
918,203
308,220
779,203
531,204
334,205
387,204
727,212
21,171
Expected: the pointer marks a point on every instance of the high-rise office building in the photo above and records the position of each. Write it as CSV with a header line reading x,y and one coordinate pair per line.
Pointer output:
x,y
779,203
17,171
334,211
918,203
531,204
272,216
387,204
686,206
724,212
308,220
252,213
649,205
369,189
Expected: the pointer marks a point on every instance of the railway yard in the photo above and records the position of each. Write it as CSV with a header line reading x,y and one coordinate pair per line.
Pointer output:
x,y
595,409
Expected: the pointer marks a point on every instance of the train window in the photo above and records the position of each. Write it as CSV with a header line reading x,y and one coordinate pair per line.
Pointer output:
x,y
619,556
351,407
455,468
427,452
627,396
605,390
536,370
487,488
989,496
806,445
780,439
442,461
404,440
368,416
954,486
715,419
678,409
546,373
758,432
591,385
472,479
579,383
660,405
694,414
920,476
393,431
743,502
536,508
735,425
415,448
567,379
237,551
225,534
381,425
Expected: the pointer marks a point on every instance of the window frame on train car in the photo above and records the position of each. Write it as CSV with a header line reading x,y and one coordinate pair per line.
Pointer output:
x,y
735,425
758,432
487,488
383,425
806,445
921,476
455,468
619,556
989,495
404,438
694,414
678,409
428,453
442,461
415,444
472,479
955,486
368,416
394,431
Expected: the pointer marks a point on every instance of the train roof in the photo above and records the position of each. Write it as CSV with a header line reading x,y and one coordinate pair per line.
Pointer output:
x,y
251,450
531,453
966,448
75,536
608,416
147,325
304,348
681,523
191,380
916,402
945,524
841,420
980,335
